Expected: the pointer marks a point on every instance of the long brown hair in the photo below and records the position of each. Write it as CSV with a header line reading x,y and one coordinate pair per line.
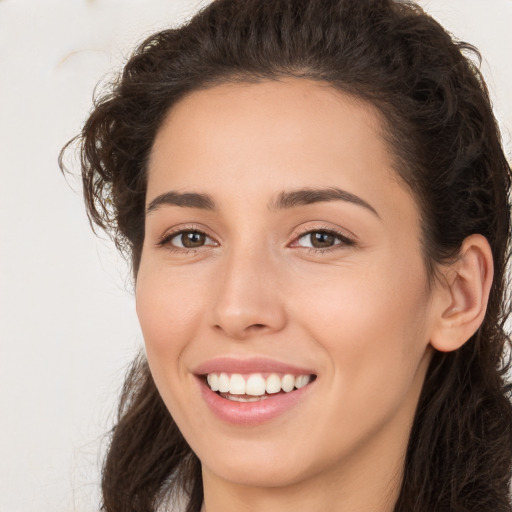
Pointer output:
x,y
440,127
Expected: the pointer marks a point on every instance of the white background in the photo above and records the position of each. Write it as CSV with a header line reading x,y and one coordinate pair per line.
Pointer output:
x,y
67,318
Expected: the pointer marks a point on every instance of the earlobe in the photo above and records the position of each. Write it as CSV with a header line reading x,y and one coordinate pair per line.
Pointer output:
x,y
464,295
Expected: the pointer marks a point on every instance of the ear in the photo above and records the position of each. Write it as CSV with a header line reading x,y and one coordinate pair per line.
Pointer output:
x,y
461,298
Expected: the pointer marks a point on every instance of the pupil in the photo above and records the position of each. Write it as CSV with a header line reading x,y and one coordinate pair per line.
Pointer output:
x,y
320,240
193,239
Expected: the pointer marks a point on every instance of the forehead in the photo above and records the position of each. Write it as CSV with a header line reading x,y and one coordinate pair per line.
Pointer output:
x,y
295,109
275,135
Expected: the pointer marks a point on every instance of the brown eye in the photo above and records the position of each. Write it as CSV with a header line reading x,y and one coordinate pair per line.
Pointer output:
x,y
190,239
322,239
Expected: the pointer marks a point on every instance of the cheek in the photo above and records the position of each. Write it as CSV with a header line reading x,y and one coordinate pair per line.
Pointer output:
x,y
169,311
374,339
371,325
169,315
168,304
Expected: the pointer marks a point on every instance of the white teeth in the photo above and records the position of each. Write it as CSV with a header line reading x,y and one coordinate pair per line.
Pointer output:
x,y
238,398
213,381
237,384
273,384
288,383
224,383
301,381
254,384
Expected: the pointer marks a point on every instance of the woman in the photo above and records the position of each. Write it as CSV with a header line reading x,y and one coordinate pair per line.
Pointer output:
x,y
314,199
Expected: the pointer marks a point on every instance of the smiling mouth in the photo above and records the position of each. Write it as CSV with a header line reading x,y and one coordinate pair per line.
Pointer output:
x,y
255,387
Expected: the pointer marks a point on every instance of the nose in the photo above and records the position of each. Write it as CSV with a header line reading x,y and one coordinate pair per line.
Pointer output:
x,y
249,299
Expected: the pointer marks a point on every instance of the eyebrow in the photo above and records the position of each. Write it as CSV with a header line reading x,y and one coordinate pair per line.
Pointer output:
x,y
186,200
307,196
283,201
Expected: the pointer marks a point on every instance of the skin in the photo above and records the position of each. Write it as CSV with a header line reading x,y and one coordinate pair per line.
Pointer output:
x,y
360,314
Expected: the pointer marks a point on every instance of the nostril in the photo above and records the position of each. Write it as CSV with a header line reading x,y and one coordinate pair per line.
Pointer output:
x,y
256,327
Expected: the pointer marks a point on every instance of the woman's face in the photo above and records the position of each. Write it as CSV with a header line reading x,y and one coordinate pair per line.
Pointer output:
x,y
281,247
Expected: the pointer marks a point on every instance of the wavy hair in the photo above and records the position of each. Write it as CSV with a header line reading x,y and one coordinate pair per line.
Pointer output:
x,y
439,126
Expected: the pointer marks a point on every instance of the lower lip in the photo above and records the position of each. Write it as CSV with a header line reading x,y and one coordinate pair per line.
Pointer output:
x,y
251,413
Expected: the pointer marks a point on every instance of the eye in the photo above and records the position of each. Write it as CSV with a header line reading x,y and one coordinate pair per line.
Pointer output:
x,y
322,239
187,239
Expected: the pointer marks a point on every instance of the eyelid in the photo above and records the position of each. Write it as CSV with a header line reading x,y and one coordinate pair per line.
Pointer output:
x,y
346,240
165,239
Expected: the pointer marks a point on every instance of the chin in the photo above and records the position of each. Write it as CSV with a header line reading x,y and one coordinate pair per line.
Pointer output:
x,y
258,472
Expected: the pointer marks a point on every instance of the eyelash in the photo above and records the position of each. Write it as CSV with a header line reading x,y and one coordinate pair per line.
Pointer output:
x,y
344,241
165,241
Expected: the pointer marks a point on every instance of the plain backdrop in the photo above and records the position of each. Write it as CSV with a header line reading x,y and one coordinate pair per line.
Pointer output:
x,y
68,327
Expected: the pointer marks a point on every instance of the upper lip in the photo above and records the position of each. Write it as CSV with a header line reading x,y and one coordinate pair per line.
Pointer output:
x,y
252,365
